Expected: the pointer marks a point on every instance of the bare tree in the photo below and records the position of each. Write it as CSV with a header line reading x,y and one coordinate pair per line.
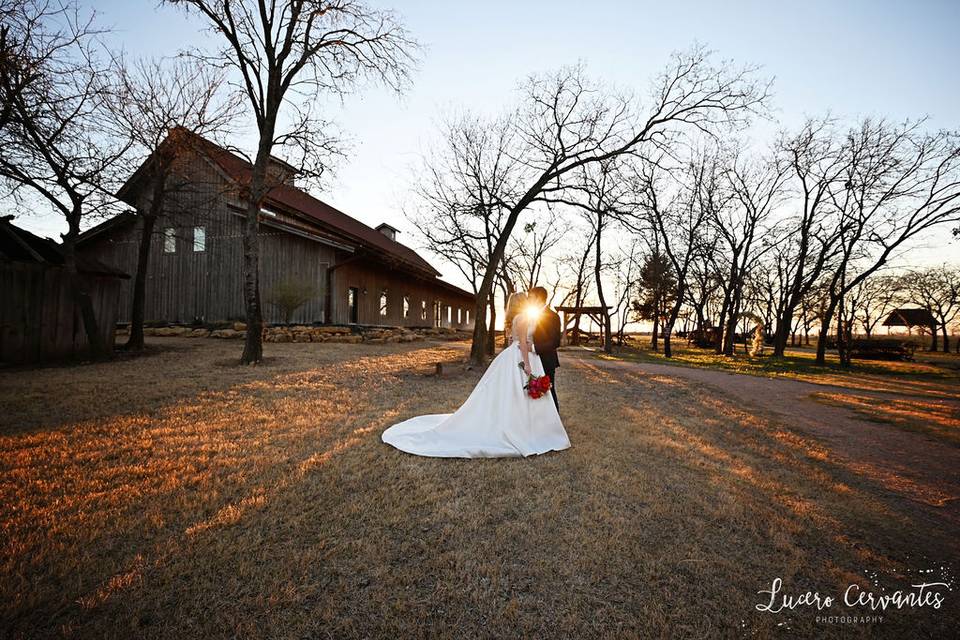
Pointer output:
x,y
53,101
603,193
576,264
529,253
937,289
160,107
877,296
626,271
756,189
286,53
679,214
565,122
899,182
460,197
816,165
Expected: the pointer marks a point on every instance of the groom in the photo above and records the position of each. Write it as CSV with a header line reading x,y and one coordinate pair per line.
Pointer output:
x,y
546,337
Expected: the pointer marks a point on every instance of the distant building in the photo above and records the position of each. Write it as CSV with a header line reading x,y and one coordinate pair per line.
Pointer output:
x,y
39,317
910,318
360,275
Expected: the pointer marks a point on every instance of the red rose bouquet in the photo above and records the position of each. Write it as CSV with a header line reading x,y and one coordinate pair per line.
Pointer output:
x,y
537,386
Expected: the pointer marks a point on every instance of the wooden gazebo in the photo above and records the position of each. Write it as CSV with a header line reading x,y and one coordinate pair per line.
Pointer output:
x,y
575,313
910,318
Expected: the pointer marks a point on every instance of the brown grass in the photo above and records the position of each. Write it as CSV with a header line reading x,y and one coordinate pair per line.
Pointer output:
x,y
938,419
181,496
935,375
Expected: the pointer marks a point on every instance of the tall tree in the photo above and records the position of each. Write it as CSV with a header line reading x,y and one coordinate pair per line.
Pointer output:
x,y
460,198
657,293
51,145
899,182
161,106
602,192
756,187
679,215
566,122
286,54
936,289
817,163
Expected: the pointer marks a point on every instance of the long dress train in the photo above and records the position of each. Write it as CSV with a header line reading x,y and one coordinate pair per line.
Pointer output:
x,y
499,419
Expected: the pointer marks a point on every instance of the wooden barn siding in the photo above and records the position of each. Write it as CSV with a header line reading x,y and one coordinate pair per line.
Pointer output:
x,y
192,285
38,319
207,286
187,285
374,278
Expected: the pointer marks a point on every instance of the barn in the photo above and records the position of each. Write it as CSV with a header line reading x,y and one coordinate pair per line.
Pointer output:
x,y
40,319
352,273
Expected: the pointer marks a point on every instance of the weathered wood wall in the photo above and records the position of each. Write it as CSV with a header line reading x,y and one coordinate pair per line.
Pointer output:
x,y
188,286
38,318
371,279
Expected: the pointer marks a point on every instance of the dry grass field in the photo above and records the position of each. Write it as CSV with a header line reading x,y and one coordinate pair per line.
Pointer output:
x,y
178,495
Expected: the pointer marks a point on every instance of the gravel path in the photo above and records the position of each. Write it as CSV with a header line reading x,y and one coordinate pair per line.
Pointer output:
x,y
915,465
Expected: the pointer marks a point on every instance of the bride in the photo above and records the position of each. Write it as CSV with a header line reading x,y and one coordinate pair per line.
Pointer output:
x,y
499,419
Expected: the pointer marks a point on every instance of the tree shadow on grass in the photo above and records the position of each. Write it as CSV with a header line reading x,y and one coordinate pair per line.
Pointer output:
x,y
270,508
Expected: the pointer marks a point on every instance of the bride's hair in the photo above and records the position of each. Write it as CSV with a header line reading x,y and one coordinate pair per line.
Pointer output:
x,y
515,304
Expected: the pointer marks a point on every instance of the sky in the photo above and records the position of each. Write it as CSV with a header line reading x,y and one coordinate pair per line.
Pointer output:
x,y
849,58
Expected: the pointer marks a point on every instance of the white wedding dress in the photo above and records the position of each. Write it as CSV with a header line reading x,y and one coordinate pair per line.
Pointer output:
x,y
498,420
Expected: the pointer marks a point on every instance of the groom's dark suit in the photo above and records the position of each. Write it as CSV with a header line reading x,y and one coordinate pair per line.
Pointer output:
x,y
546,340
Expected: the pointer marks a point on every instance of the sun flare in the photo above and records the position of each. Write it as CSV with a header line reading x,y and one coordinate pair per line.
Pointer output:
x,y
532,312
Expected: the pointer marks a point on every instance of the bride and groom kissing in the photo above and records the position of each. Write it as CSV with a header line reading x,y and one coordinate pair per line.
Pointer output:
x,y
499,418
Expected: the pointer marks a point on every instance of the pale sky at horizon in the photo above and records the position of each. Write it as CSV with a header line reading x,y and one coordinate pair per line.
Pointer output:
x,y
897,60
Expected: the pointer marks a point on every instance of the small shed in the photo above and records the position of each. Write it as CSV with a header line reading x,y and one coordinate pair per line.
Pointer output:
x,y
39,319
910,318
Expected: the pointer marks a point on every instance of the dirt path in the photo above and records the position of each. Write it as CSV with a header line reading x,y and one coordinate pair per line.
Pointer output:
x,y
915,465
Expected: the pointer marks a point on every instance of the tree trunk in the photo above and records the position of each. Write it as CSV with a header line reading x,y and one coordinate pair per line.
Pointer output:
x,y
729,334
946,338
81,297
933,338
722,321
667,333
653,335
135,342
253,344
825,331
604,312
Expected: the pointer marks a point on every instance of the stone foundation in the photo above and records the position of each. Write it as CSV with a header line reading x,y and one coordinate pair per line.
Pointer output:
x,y
306,333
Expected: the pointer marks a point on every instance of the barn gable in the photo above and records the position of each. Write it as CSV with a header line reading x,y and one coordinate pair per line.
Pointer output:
x,y
357,273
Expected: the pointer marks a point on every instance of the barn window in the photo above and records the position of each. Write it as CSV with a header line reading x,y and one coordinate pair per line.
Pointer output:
x,y
459,316
406,307
423,309
466,318
437,308
199,239
169,240
383,303
449,315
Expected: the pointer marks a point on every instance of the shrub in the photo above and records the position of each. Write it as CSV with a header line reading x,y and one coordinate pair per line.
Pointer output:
x,y
290,295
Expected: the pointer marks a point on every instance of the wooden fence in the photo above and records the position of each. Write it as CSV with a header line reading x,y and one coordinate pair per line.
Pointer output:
x,y
39,320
